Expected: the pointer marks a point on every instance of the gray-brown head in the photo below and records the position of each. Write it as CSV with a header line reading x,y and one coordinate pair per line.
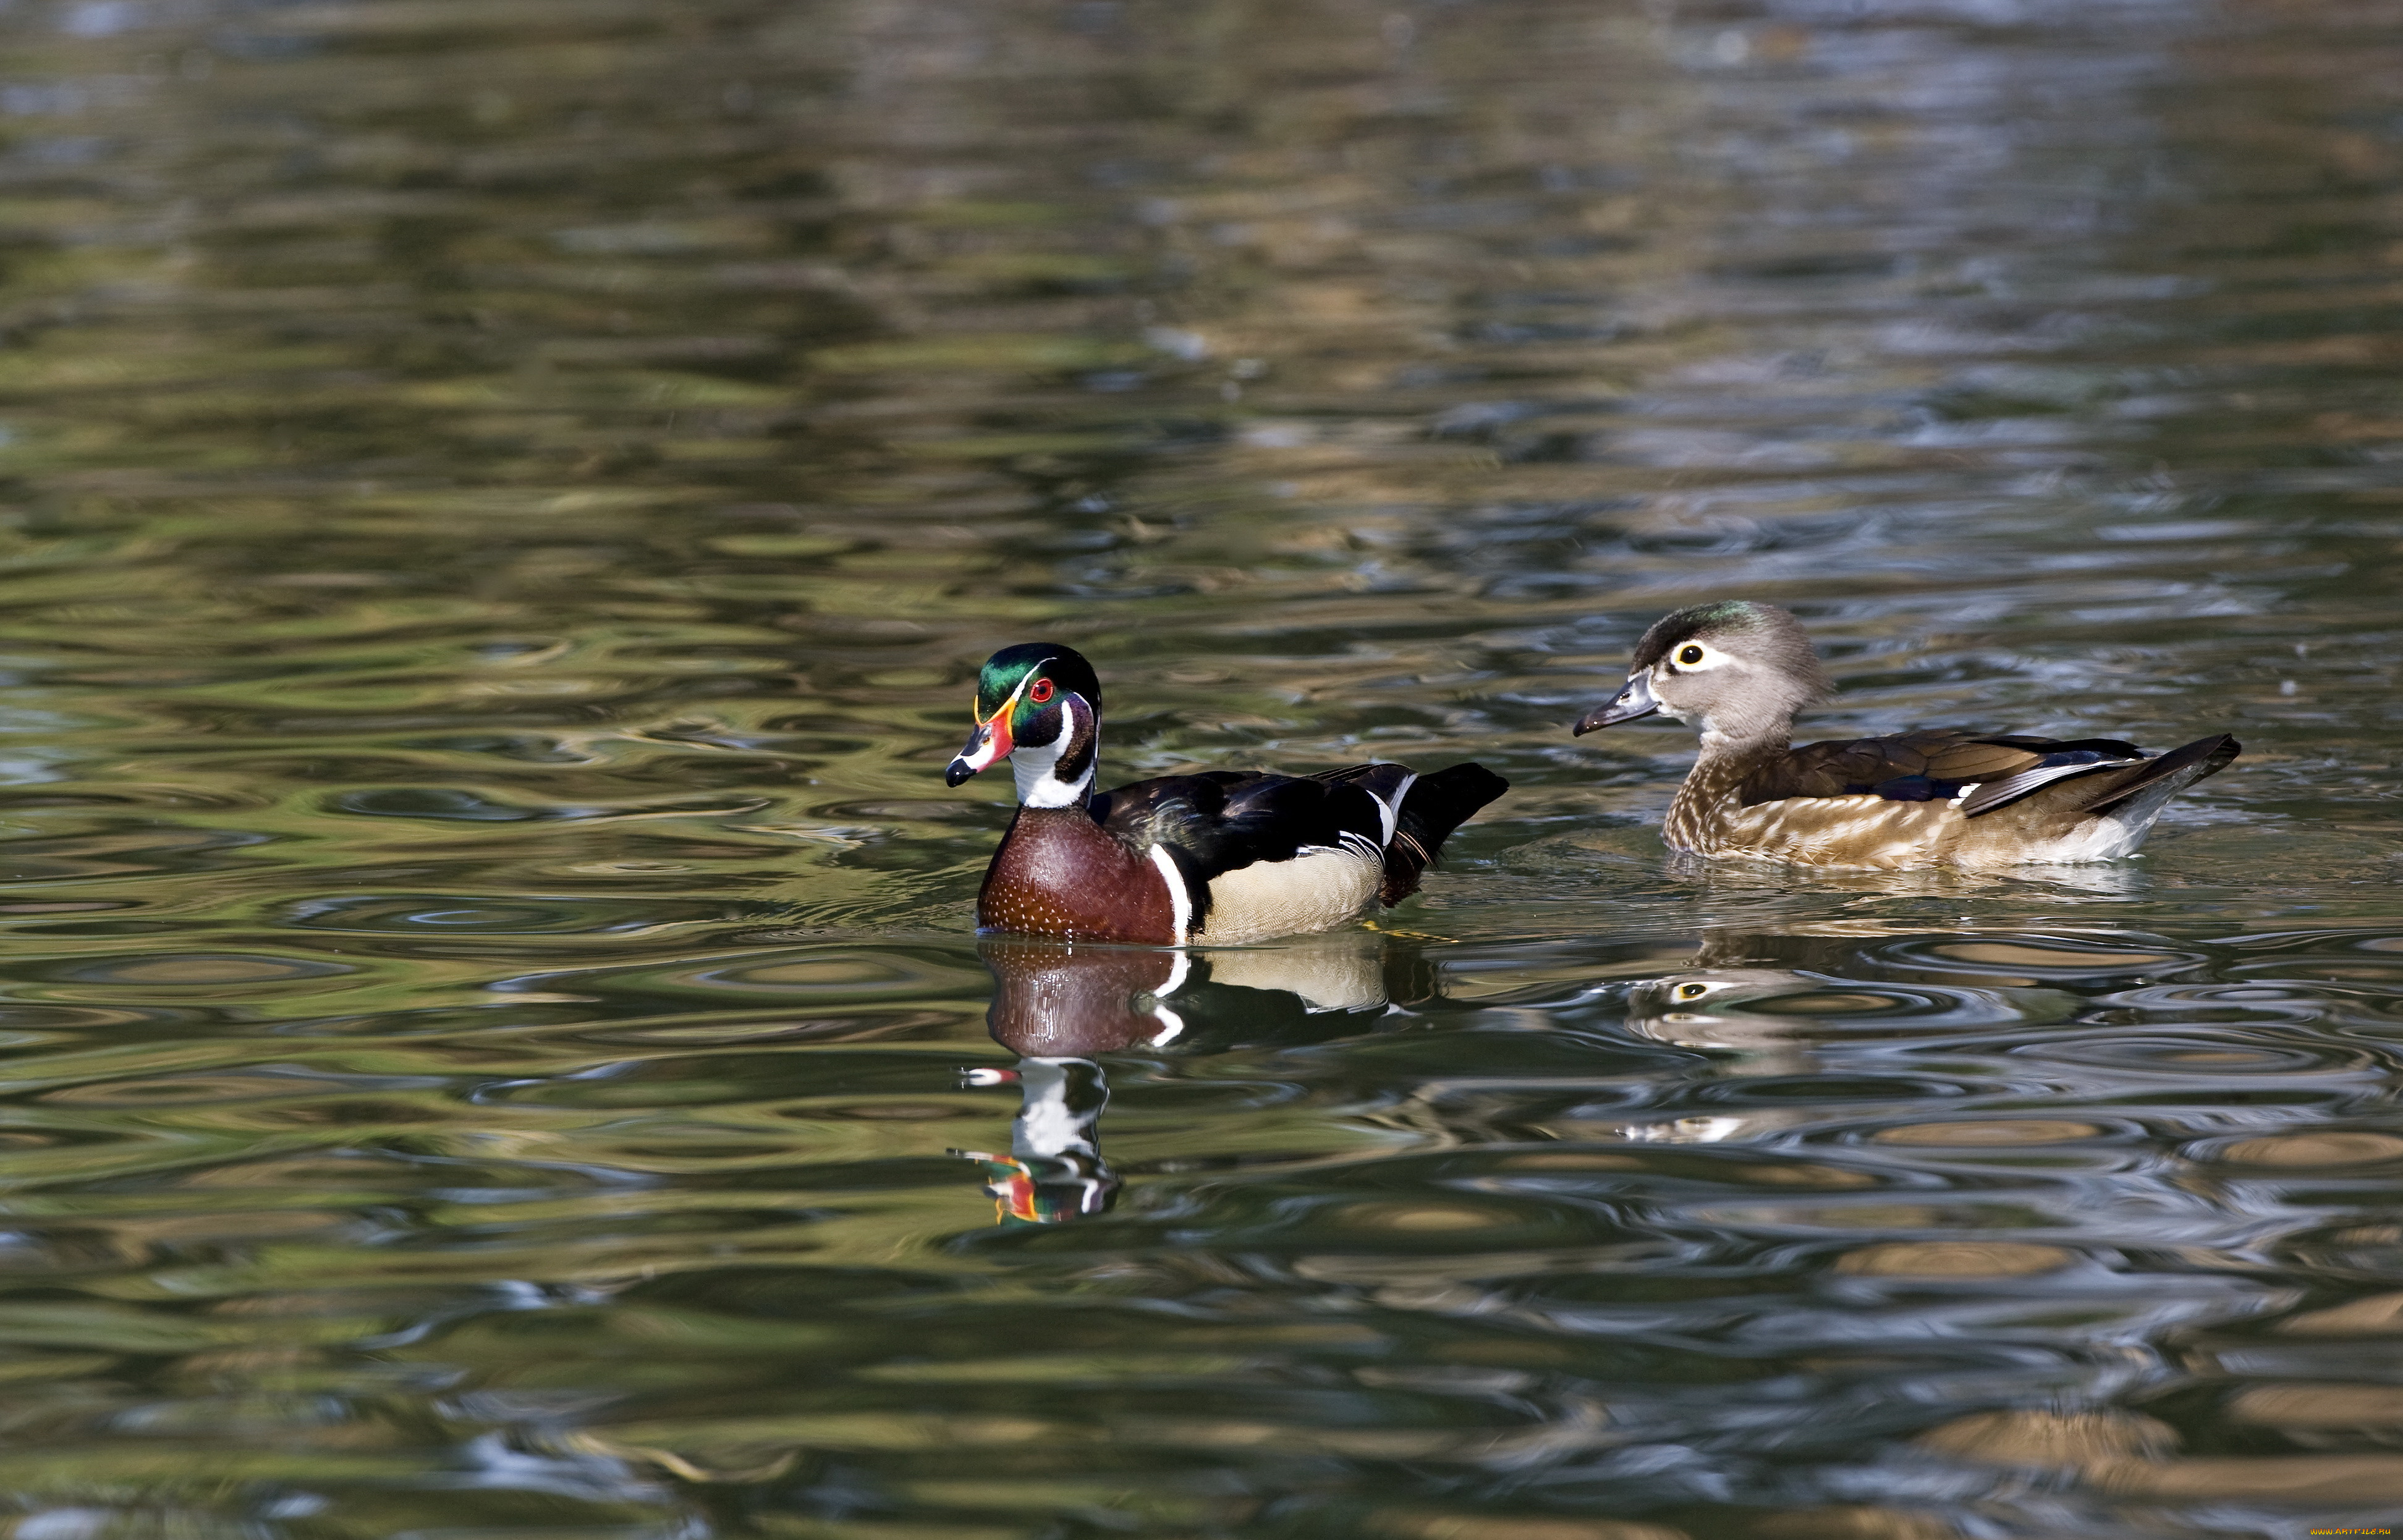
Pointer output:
x,y
1739,668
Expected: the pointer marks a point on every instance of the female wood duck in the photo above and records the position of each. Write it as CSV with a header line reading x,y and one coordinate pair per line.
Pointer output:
x,y
1223,856
1939,798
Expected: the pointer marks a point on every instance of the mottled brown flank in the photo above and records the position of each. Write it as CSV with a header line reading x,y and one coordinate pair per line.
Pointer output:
x,y
1700,808
1058,873
1711,816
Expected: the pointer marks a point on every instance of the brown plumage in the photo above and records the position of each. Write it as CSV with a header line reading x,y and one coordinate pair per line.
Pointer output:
x,y
1223,856
1059,873
1939,798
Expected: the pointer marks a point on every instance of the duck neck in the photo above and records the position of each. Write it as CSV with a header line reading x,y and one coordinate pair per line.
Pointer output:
x,y
1060,773
1725,761
1748,745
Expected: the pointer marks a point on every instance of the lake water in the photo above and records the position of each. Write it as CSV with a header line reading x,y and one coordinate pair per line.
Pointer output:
x,y
503,505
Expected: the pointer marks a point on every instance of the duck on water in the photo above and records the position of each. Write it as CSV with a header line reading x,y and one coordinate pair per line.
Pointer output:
x,y
1221,856
1938,798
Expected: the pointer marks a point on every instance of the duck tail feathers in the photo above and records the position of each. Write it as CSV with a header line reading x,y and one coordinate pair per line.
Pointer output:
x,y
2139,794
1433,807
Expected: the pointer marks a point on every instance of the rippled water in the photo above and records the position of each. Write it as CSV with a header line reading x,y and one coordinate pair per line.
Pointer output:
x,y
503,502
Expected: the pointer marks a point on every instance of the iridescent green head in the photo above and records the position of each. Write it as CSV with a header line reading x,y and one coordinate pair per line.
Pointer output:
x,y
1021,668
1026,697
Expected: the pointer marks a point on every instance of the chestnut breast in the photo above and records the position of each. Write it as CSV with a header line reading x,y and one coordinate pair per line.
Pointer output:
x,y
1059,873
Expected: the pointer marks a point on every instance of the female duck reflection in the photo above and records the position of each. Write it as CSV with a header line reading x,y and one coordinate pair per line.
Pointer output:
x,y
1055,1002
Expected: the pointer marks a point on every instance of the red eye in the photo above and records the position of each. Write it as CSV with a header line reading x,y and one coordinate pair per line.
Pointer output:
x,y
1041,692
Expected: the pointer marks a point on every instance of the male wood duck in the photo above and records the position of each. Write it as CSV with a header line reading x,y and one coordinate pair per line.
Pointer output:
x,y
1221,856
1938,798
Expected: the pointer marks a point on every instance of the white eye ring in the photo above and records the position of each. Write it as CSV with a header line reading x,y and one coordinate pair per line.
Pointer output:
x,y
1692,657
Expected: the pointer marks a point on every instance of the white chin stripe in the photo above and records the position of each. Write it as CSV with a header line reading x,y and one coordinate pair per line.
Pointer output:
x,y
1038,787
1033,764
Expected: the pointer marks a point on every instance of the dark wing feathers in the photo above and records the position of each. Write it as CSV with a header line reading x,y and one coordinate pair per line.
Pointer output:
x,y
1220,821
1991,795
1920,767
1427,810
1849,769
2110,748
2176,771
1385,781
1432,807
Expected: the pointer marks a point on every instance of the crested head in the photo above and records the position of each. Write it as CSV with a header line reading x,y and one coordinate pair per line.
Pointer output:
x,y
1740,669
1764,629
1006,672
1038,704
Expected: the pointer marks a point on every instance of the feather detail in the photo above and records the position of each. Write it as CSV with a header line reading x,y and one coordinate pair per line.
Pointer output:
x,y
1991,795
1922,767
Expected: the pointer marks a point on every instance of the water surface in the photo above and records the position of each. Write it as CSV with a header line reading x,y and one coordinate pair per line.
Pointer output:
x,y
503,504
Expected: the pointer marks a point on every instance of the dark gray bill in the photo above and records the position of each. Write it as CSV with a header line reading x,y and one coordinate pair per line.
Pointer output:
x,y
1626,706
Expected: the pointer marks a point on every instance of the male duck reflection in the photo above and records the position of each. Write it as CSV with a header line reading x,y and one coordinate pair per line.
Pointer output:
x,y
1052,1005
1936,797
1054,1169
1223,856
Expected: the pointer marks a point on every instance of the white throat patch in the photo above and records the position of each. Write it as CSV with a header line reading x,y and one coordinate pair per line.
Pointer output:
x,y
1032,763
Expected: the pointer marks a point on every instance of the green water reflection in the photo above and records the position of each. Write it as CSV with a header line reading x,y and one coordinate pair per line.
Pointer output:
x,y
500,505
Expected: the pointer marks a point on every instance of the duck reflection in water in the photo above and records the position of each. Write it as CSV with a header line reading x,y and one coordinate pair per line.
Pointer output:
x,y
1780,1004
1765,999
1055,1003
1054,1169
